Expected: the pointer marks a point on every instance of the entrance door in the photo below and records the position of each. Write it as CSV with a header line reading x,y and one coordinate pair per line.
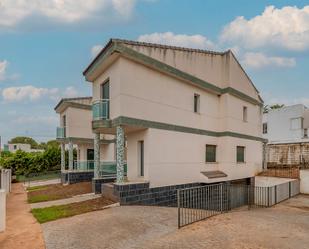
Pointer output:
x,y
141,157
90,158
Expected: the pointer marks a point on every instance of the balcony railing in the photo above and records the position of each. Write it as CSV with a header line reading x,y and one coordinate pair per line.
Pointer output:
x,y
107,169
100,109
61,132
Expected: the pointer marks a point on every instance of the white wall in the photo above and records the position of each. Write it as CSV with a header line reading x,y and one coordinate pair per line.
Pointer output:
x,y
2,209
304,181
279,124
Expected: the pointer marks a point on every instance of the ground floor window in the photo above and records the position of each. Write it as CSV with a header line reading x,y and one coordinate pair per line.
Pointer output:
x,y
141,157
211,153
240,154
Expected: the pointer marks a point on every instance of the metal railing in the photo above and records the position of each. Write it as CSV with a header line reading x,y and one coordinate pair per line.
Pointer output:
x,y
61,132
199,203
107,169
100,109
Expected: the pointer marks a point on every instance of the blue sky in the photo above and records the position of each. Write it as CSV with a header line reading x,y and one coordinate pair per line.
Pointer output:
x,y
45,47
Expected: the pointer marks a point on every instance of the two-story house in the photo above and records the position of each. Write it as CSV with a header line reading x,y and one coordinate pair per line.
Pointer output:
x,y
185,116
75,131
286,130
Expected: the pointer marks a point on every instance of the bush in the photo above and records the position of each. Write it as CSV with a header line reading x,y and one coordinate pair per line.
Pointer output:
x,y
23,163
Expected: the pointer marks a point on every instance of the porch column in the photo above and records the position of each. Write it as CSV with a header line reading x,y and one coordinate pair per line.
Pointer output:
x,y
120,153
62,157
70,155
96,155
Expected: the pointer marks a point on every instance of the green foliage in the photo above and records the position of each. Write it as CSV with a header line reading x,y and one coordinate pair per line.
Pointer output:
x,y
23,163
267,108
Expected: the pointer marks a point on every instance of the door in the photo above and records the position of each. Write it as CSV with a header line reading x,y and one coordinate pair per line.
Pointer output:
x,y
90,158
141,157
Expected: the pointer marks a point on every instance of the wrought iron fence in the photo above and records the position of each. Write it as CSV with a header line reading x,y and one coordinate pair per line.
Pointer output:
x,y
198,203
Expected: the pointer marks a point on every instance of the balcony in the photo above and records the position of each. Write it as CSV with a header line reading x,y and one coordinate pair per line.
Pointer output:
x,y
61,132
100,109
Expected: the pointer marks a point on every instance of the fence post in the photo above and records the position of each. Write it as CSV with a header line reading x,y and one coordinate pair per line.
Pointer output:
x,y
275,194
289,189
178,204
2,209
221,198
268,196
248,191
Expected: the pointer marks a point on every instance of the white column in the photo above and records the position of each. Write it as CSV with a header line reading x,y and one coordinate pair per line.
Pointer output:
x,y
96,155
120,153
62,157
70,155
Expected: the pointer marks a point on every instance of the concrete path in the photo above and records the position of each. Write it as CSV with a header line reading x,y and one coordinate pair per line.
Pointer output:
x,y
42,182
22,230
284,226
78,198
119,227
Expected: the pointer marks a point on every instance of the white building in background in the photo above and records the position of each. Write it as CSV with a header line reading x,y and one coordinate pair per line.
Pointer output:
x,y
286,130
18,146
288,124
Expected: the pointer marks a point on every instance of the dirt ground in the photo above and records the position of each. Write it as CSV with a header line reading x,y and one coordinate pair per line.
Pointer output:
x,y
59,191
285,226
22,230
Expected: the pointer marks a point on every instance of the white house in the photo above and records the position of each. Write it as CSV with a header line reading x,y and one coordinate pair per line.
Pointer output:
x,y
19,146
185,116
286,130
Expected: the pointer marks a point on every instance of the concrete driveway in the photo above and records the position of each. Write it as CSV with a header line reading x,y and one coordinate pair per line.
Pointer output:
x,y
284,226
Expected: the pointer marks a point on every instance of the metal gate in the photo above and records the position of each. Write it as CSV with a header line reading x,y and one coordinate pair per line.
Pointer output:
x,y
198,203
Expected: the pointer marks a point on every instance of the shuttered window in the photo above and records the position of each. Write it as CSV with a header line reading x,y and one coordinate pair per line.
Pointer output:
x,y
211,153
240,154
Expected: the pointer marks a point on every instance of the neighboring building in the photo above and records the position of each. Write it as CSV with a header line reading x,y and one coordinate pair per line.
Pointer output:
x,y
286,130
185,116
24,147
75,131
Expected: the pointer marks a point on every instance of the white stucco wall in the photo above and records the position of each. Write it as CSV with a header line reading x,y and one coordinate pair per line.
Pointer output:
x,y
304,181
279,127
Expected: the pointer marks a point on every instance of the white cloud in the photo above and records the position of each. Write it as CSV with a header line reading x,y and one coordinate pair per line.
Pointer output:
x,y
287,28
3,67
260,60
14,12
29,119
95,50
22,93
70,92
182,40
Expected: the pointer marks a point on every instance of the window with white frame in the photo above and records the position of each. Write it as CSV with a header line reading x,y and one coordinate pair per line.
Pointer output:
x,y
296,123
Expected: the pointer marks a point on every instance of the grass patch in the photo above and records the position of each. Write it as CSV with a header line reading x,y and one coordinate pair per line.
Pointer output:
x,y
56,212
36,188
40,198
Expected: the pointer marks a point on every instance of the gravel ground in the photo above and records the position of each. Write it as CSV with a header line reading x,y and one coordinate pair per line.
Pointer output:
x,y
285,226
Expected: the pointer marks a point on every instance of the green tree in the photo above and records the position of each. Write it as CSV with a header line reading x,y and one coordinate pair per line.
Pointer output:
x,y
267,108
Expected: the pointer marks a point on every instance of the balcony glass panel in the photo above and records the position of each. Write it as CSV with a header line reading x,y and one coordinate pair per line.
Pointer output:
x,y
100,109
61,132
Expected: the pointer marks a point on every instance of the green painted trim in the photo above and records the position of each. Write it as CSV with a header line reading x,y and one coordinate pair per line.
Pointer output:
x,y
162,67
241,95
84,140
164,126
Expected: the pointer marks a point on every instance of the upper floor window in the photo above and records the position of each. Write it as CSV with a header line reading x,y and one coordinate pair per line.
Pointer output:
x,y
245,113
240,154
196,103
105,90
64,121
296,123
211,153
264,128
305,133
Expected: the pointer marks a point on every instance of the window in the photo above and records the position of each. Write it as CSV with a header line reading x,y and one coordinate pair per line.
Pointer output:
x,y
141,157
196,103
264,128
15,147
305,133
296,123
240,154
211,153
245,113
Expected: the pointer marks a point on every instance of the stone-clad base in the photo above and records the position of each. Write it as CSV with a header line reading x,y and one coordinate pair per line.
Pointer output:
x,y
75,177
141,194
97,183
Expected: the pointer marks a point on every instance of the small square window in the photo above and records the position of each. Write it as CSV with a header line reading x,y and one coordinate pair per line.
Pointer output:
x,y
211,153
245,114
240,154
196,103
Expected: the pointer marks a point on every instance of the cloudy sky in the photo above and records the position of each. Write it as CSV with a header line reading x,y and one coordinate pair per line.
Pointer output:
x,y
45,45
